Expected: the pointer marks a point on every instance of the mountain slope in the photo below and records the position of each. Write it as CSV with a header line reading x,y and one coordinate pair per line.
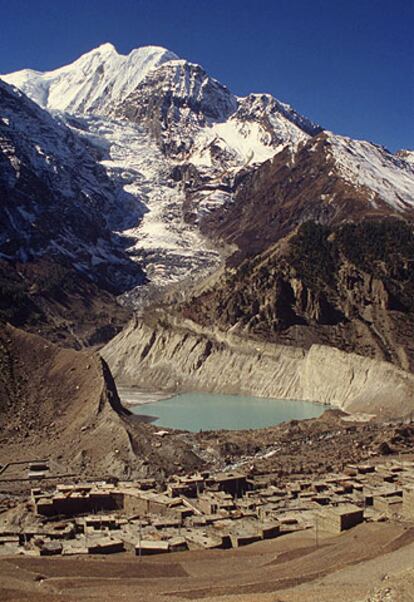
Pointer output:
x,y
60,255
58,403
349,286
56,199
329,179
48,296
62,405
324,251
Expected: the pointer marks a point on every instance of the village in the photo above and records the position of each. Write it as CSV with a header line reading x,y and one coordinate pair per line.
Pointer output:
x,y
201,511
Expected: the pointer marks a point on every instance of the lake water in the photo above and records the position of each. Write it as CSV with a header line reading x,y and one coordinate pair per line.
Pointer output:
x,y
204,411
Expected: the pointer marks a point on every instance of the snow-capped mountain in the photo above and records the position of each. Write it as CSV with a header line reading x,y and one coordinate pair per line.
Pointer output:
x,y
93,83
174,98
151,118
148,117
181,144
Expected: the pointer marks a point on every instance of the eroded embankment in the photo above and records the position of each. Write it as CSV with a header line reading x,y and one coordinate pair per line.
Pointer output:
x,y
165,353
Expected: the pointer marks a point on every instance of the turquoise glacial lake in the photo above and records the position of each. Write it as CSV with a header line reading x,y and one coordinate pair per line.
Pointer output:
x,y
204,411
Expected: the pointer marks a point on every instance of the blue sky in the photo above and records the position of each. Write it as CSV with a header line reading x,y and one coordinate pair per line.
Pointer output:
x,y
347,64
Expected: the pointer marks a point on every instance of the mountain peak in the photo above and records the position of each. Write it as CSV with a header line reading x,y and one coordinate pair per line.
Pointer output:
x,y
106,47
95,81
152,49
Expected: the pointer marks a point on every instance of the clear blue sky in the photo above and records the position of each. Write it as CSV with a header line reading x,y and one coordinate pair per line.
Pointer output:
x,y
347,64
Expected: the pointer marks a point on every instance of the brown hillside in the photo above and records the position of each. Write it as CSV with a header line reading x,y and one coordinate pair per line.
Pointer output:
x,y
62,405
57,403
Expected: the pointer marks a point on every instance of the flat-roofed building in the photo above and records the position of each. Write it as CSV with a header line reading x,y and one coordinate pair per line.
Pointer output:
x,y
340,518
390,506
188,486
270,530
234,483
148,547
105,545
244,537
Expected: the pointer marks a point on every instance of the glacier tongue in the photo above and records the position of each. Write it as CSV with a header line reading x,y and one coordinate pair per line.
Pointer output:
x,y
168,248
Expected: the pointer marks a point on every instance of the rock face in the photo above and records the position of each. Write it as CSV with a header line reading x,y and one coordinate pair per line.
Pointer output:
x,y
180,355
175,101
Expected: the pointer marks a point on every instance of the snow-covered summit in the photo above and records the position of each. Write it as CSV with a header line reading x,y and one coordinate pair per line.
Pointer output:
x,y
105,82
94,82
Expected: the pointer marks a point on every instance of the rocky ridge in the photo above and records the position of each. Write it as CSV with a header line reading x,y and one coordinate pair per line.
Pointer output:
x,y
326,180
63,405
80,422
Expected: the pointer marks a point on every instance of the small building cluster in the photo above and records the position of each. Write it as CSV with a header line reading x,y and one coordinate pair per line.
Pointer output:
x,y
206,511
